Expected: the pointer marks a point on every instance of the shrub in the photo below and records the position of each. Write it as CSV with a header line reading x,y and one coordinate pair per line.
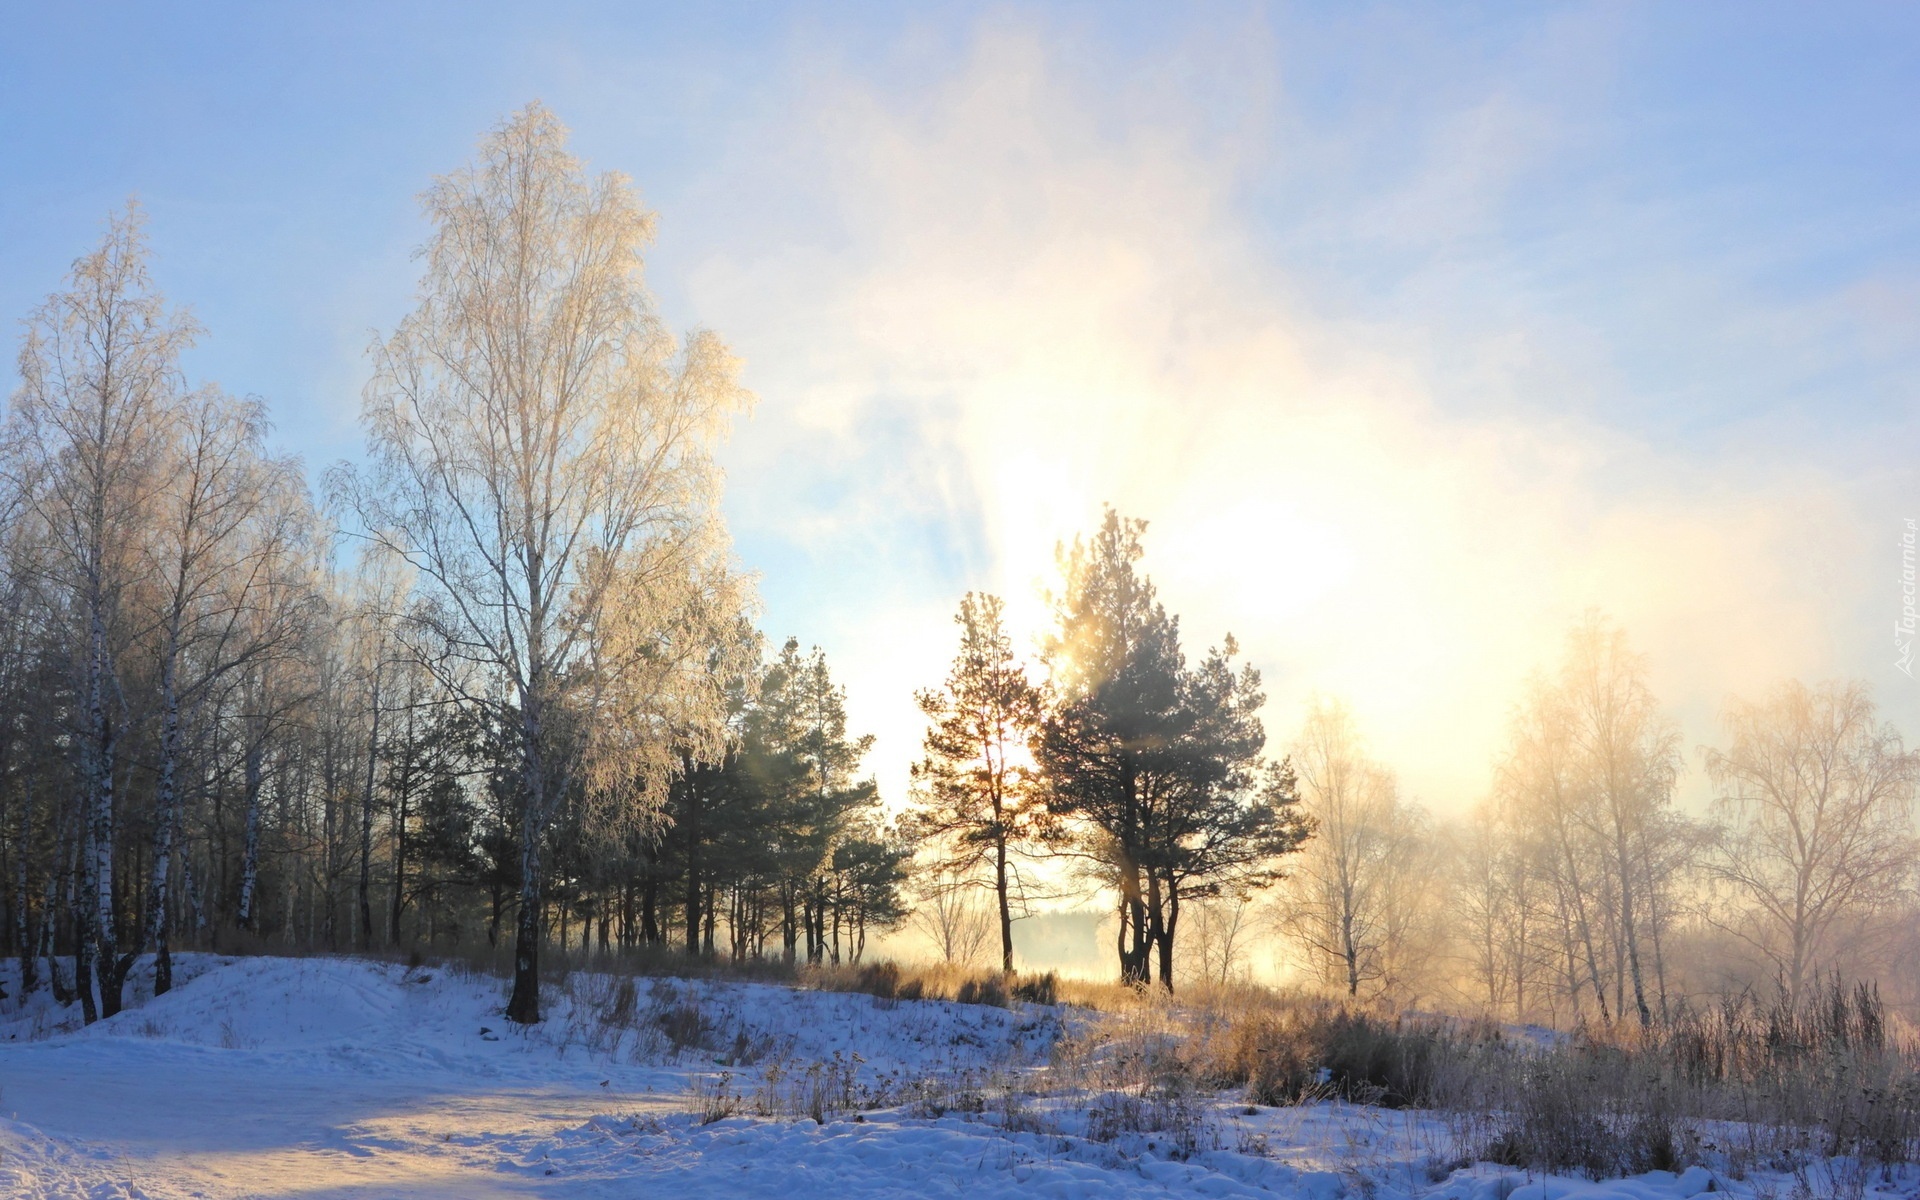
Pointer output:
x,y
817,1090
989,990
1039,989
1301,1050
1777,1084
714,1098
1181,1118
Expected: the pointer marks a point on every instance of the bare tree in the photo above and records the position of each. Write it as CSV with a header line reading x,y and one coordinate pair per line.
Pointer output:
x,y
1586,785
233,532
1349,903
379,658
1630,756
100,379
1499,913
1546,807
1816,801
540,455
951,915
1222,939
1484,906
269,703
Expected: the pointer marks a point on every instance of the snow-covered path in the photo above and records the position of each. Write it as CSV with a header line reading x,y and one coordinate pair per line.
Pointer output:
x,y
185,1123
315,1079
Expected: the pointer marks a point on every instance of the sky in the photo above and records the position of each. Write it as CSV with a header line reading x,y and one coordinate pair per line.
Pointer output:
x,y
1413,331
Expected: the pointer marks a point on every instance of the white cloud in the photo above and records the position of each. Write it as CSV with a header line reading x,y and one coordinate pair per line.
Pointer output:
x,y
1041,291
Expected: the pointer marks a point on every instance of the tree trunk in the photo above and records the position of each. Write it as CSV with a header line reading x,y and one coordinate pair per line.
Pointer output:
x,y
83,936
29,962
166,802
1349,951
366,820
49,898
329,839
62,994
1136,966
1628,932
1135,948
523,1006
250,849
101,819
690,831
1584,923
1006,909
190,885
1166,934
789,930
402,796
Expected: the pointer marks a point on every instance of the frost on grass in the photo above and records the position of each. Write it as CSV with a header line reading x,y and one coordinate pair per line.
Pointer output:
x,y
264,1076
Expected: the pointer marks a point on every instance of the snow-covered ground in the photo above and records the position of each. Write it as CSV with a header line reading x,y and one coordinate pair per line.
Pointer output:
x,y
320,1078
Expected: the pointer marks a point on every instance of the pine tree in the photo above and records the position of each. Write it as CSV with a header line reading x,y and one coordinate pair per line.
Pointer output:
x,y
1156,768
976,801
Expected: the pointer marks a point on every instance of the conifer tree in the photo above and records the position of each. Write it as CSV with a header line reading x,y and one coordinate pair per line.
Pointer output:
x,y
976,801
1154,766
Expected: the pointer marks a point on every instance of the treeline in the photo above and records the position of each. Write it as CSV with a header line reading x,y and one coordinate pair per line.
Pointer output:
x,y
501,682
1587,894
1578,890
777,843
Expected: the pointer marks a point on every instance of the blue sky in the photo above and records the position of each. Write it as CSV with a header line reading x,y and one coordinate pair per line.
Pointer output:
x,y
1414,330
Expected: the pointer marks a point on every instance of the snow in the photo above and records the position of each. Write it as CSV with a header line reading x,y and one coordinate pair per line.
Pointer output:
x,y
336,1077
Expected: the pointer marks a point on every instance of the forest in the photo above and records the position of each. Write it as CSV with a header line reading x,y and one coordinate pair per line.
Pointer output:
x,y
500,684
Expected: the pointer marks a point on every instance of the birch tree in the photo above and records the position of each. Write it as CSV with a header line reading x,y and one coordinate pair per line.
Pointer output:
x,y
1587,784
270,700
379,662
1222,941
951,914
232,534
1629,753
1548,809
100,378
540,458
1338,908
1816,804
1500,921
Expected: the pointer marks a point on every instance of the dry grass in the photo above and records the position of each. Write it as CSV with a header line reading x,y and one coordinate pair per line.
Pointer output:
x,y
940,981
1824,1084
885,979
